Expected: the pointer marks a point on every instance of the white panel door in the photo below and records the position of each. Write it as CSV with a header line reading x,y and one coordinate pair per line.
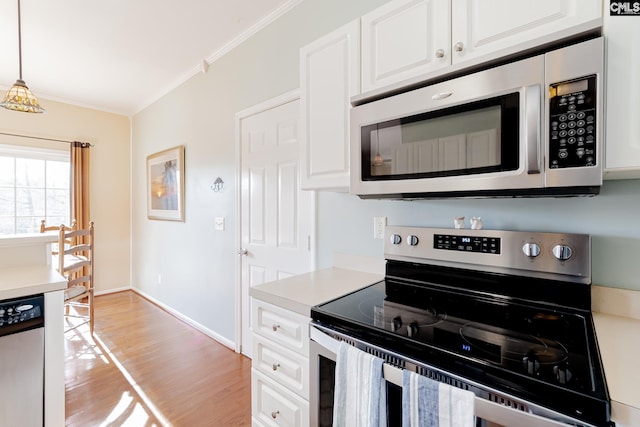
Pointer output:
x,y
275,213
499,27
403,39
329,77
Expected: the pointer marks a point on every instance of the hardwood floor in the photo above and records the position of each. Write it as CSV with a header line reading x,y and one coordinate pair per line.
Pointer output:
x,y
144,367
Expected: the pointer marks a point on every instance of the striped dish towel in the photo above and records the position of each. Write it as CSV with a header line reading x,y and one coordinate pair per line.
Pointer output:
x,y
428,403
360,398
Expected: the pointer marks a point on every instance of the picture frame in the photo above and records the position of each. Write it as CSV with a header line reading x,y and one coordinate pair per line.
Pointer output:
x,y
165,184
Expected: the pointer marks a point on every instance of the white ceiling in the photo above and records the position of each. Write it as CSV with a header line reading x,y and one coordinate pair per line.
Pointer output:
x,y
121,55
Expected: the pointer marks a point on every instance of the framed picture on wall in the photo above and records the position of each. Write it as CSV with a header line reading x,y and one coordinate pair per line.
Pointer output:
x,y
165,184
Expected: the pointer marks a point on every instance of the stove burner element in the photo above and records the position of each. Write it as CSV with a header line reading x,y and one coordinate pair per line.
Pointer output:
x,y
414,318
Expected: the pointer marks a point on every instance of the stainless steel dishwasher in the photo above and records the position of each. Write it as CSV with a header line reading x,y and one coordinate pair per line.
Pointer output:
x,y
22,361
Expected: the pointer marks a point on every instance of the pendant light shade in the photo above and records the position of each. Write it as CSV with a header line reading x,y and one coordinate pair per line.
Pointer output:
x,y
19,97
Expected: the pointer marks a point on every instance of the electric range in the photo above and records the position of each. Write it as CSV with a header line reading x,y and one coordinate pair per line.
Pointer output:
x,y
505,313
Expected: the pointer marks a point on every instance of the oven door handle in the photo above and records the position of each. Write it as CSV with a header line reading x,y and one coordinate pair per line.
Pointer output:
x,y
533,105
485,409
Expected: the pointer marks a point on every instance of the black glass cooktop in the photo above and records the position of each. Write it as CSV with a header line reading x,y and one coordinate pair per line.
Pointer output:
x,y
540,352
541,344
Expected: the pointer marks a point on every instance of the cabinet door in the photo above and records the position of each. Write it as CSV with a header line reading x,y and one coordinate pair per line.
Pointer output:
x,y
404,39
329,77
485,29
622,95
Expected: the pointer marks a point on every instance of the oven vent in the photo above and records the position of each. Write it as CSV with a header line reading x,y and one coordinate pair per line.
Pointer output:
x,y
442,378
347,340
505,401
388,358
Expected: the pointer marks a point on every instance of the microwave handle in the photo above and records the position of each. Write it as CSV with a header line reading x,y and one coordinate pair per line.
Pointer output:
x,y
533,105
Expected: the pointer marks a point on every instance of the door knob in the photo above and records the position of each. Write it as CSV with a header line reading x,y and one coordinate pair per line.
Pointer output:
x,y
243,251
458,47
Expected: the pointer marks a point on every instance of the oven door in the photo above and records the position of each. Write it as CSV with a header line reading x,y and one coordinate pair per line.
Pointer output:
x,y
322,360
480,132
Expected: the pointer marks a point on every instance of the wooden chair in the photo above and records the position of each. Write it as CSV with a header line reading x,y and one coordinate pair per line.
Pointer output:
x,y
54,249
74,260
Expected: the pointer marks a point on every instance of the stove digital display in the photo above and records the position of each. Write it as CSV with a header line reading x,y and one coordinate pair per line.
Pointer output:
x,y
467,345
486,245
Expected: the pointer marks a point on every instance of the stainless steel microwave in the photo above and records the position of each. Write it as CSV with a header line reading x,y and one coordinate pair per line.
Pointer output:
x,y
532,127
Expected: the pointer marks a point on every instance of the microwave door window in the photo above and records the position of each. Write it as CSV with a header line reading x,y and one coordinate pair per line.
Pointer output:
x,y
474,138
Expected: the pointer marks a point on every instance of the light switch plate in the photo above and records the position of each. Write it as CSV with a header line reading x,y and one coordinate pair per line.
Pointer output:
x,y
219,223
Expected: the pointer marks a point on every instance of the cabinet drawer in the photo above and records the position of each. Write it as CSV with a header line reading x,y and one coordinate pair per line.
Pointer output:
x,y
281,326
285,367
273,405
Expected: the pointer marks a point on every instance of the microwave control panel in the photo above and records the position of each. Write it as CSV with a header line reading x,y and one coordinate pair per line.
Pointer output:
x,y
572,123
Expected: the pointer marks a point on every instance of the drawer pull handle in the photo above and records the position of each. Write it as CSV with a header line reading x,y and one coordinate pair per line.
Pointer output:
x,y
275,327
275,414
275,366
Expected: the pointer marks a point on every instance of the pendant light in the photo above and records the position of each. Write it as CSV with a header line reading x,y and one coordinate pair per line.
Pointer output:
x,y
19,97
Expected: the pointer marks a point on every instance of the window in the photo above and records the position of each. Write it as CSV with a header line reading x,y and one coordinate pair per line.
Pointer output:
x,y
34,185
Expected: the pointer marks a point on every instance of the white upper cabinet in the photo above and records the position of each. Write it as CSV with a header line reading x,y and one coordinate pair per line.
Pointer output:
x,y
329,77
487,29
403,39
622,138
407,39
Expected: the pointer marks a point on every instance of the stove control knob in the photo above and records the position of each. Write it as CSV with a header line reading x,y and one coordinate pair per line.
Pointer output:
x,y
562,373
395,239
562,252
412,329
396,323
412,240
531,363
531,250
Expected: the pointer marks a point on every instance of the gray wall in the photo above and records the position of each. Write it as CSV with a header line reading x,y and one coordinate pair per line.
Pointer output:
x,y
195,264
345,224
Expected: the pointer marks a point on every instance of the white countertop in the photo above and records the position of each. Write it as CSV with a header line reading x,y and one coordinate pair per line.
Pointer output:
x,y
618,336
300,293
616,315
22,281
619,343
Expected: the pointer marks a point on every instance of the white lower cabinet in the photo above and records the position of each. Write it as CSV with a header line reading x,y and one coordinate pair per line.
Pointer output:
x,y
280,367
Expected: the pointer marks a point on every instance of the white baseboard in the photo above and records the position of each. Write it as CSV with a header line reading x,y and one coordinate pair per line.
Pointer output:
x,y
113,291
222,340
